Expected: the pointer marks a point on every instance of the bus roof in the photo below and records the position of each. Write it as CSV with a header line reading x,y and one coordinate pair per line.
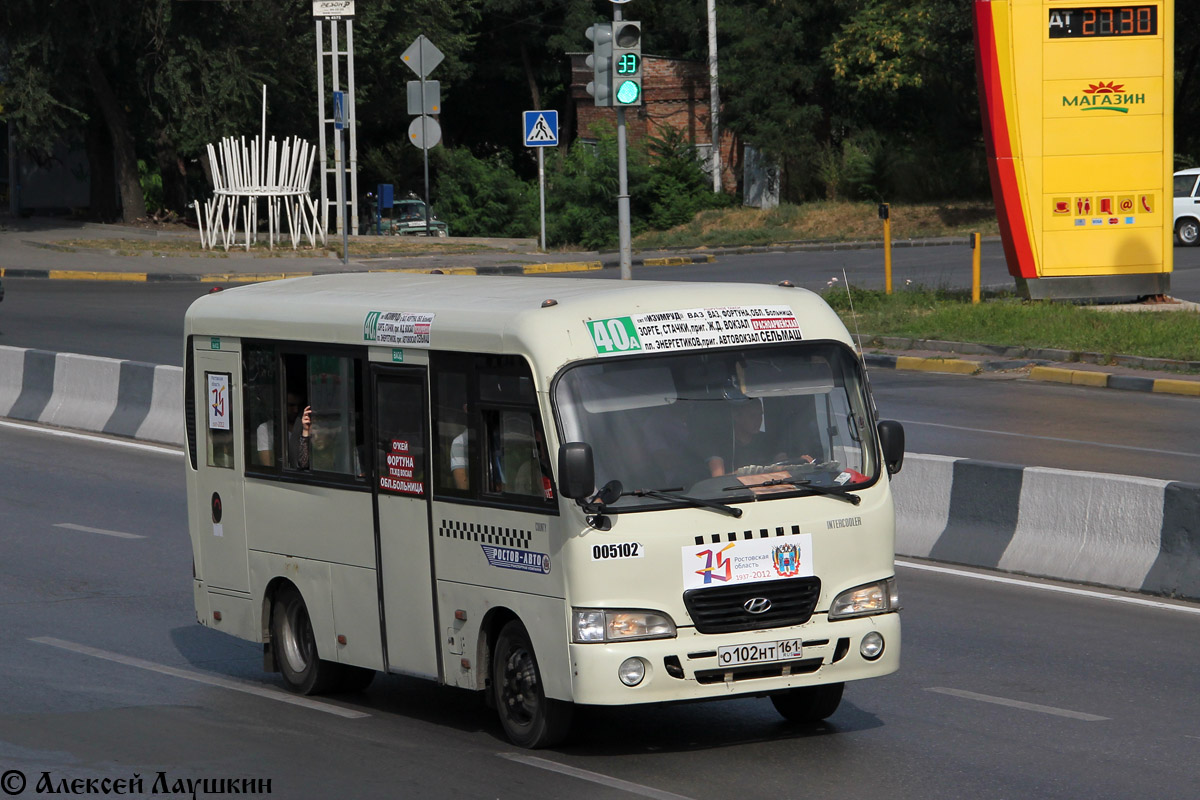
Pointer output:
x,y
484,313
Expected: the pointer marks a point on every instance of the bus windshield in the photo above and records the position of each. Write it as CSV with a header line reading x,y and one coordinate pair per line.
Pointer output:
x,y
728,425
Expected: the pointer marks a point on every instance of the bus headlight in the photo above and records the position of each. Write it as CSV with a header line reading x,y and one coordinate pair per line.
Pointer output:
x,y
619,625
879,597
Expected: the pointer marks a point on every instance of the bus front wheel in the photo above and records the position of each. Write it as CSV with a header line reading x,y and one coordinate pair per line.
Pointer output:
x,y
528,717
808,703
295,646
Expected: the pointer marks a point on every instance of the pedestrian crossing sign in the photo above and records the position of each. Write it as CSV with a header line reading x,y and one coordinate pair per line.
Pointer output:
x,y
541,128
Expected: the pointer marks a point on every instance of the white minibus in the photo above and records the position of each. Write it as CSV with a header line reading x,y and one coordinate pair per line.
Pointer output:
x,y
556,492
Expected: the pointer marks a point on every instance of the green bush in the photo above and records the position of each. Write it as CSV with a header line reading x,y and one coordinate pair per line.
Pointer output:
x,y
678,188
484,197
581,193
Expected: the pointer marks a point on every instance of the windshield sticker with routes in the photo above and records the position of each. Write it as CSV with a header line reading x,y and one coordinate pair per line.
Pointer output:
x,y
694,328
410,328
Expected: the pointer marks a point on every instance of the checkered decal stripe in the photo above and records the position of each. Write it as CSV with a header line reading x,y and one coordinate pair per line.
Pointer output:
x,y
486,534
733,536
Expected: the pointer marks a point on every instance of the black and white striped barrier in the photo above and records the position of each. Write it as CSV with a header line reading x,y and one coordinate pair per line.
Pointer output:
x,y
1139,534
104,395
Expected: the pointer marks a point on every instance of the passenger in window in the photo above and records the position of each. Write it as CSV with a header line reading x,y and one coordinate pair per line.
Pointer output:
x,y
265,434
332,448
459,468
300,441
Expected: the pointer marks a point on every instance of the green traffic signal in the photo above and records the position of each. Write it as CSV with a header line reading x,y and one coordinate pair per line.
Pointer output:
x,y
628,92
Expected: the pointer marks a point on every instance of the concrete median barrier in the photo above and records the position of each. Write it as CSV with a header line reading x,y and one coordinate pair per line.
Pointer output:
x,y
104,395
1125,532
1138,534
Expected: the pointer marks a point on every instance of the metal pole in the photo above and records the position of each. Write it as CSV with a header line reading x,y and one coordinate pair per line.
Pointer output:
x,y
342,209
424,130
542,194
340,158
713,95
623,234
352,122
321,127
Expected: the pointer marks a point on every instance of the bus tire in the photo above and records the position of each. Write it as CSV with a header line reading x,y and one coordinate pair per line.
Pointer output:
x,y
808,703
1188,231
528,717
295,647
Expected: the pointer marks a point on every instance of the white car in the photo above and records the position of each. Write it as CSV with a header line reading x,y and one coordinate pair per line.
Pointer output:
x,y
1187,207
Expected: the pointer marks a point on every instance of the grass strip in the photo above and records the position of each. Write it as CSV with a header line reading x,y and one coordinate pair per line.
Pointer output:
x,y
1006,320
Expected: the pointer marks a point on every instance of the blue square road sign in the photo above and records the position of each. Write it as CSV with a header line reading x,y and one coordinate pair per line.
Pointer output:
x,y
541,128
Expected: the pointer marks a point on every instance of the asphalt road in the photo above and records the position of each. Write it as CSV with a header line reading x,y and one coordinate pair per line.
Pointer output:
x,y
1018,421
1007,689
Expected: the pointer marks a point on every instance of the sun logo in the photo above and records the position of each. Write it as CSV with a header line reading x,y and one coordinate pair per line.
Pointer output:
x,y
1112,87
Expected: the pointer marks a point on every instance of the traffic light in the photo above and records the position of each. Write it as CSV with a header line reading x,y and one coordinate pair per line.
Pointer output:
x,y
627,63
601,62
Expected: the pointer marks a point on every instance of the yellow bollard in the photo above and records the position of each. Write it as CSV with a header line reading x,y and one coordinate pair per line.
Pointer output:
x,y
885,215
976,255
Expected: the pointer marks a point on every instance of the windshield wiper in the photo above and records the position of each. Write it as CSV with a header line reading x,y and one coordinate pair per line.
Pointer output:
x,y
671,494
803,485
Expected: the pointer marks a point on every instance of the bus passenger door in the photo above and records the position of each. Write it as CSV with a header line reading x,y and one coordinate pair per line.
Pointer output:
x,y
219,508
405,553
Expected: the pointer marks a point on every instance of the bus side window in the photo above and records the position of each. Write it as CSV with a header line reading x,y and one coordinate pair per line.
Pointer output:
x,y
453,431
335,397
260,406
295,382
517,463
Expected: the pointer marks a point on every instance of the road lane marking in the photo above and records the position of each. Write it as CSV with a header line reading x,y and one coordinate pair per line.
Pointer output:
x,y
1004,701
119,534
593,777
1048,587
175,451
199,677
1051,439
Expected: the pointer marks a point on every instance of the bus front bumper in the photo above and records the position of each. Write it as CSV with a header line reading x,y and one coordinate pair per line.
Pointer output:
x,y
687,667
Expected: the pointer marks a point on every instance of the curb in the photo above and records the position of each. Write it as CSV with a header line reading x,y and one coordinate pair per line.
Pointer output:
x,y
230,277
1038,371
1080,377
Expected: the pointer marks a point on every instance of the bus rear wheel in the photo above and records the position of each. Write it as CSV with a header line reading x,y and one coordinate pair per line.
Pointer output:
x,y
295,647
528,717
808,703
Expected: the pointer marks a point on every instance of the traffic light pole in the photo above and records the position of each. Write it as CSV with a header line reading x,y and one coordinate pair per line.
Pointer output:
x,y
623,233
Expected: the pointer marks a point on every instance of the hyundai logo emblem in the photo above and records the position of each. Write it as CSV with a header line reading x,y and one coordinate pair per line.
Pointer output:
x,y
757,605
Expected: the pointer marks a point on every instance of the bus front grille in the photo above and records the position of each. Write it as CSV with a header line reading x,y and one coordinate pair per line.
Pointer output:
x,y
723,609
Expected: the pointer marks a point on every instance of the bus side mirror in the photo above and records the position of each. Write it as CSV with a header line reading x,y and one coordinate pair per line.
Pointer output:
x,y
891,441
576,470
